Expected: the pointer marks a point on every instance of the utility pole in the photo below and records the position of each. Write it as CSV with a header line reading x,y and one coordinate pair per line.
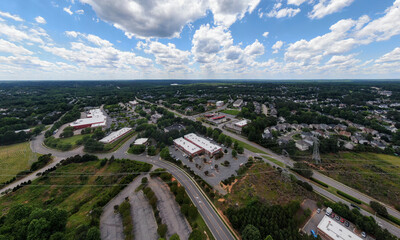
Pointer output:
x,y
316,157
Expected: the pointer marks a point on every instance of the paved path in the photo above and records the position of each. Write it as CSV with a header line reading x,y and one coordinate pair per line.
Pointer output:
x,y
110,222
170,211
144,222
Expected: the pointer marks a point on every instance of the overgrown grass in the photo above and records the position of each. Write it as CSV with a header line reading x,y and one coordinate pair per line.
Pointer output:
x,y
231,111
249,147
14,159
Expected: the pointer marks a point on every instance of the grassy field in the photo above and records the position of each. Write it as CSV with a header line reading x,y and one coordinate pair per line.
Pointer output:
x,y
231,111
376,175
249,147
72,140
75,188
265,183
281,164
14,159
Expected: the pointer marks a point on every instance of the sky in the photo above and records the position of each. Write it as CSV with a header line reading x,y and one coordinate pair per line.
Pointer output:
x,y
199,39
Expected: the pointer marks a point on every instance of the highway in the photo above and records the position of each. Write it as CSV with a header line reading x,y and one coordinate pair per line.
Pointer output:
x,y
214,222
317,175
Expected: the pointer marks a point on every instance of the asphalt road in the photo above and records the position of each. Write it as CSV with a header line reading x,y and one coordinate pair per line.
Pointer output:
x,y
209,214
340,186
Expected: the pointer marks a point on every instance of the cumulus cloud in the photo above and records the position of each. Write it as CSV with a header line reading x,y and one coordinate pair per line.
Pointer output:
x,y
80,11
167,55
9,15
9,47
279,12
296,2
326,7
103,55
40,20
392,56
166,18
35,35
68,10
277,46
265,34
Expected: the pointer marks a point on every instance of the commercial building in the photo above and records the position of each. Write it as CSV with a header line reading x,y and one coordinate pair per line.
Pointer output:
x,y
187,147
203,143
329,229
133,103
220,103
112,137
141,141
238,103
241,123
95,118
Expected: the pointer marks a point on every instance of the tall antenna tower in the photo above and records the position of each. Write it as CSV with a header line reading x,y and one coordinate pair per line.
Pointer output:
x,y
316,157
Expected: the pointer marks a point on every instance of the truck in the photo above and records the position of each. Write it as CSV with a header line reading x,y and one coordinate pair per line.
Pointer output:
x,y
328,211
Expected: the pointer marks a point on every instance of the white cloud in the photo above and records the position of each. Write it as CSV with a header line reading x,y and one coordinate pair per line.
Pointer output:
x,y
9,47
326,7
279,12
254,49
80,11
171,58
9,15
40,20
14,34
277,46
226,12
166,18
265,34
296,2
103,55
392,56
68,10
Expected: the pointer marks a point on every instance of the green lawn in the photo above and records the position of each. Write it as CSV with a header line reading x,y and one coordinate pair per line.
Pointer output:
x,y
72,140
249,147
14,159
281,164
231,111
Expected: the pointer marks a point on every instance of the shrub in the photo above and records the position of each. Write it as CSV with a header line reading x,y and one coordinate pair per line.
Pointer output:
x,y
349,197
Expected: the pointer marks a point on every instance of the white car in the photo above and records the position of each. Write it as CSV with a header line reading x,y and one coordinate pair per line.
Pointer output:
x,y
318,210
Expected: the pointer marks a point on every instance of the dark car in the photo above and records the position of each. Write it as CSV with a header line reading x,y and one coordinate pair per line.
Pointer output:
x,y
337,218
347,224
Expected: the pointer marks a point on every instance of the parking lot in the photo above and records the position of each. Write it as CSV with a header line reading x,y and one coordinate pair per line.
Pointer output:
x,y
202,163
317,217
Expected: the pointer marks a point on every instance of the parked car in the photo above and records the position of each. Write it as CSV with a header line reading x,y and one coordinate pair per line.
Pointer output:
x,y
341,220
347,224
363,234
313,233
332,215
337,218
318,210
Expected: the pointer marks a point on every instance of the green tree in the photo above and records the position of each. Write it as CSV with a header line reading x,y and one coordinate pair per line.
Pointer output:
x,y
197,235
93,234
174,237
165,153
162,230
251,233
269,238
379,208
234,153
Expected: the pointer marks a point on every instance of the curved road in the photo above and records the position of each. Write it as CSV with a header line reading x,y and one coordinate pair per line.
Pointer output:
x,y
214,222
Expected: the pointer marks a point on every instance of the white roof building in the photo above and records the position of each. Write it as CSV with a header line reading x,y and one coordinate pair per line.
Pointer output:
x,y
331,229
95,118
115,135
203,143
241,123
141,141
187,146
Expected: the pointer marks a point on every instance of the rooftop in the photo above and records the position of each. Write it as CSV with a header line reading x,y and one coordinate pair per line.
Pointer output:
x,y
335,230
202,142
188,146
115,135
141,141
241,123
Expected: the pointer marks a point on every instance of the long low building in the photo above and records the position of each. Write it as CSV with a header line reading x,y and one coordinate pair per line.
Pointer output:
x,y
187,147
95,118
203,143
329,229
112,137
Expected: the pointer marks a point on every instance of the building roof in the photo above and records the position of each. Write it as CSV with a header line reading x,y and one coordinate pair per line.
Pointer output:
x,y
115,135
141,141
335,230
202,142
241,123
95,116
188,146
